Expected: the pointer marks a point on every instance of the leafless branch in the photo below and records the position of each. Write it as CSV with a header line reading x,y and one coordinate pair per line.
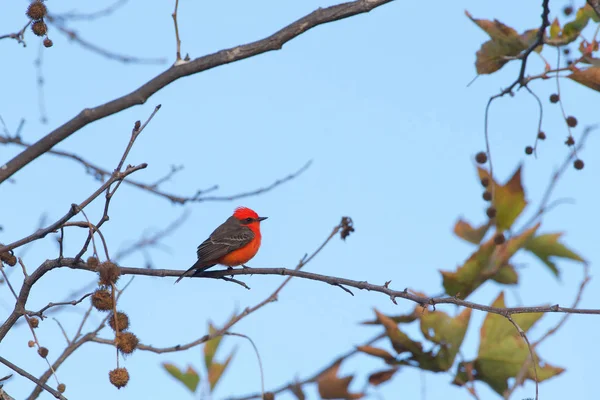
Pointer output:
x,y
73,210
274,42
198,197
32,378
72,35
40,313
18,36
260,367
177,40
74,16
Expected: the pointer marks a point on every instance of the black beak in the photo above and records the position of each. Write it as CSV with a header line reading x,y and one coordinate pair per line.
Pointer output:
x,y
262,218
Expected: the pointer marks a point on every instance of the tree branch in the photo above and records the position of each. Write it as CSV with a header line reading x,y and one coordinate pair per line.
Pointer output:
x,y
362,285
142,94
32,378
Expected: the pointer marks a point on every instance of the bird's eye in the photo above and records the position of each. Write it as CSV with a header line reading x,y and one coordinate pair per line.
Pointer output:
x,y
248,220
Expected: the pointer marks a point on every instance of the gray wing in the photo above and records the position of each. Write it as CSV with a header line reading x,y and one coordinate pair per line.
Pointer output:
x,y
223,240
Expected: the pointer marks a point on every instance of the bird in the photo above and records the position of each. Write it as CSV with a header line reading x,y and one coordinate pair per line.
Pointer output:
x,y
235,242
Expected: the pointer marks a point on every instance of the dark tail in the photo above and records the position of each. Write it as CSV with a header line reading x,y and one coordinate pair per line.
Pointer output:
x,y
198,266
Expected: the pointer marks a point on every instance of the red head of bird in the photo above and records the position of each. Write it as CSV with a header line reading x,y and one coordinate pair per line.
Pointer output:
x,y
249,217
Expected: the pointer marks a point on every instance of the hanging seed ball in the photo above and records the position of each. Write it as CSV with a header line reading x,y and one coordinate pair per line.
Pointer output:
x,y
102,300
48,43
93,262
481,157
34,322
578,164
485,182
109,273
39,28
31,343
43,352
122,321
61,387
126,342
572,121
554,98
487,196
570,141
491,212
119,377
36,10
528,150
541,136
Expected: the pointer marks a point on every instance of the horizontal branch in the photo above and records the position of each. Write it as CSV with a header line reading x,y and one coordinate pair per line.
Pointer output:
x,y
198,197
142,94
332,280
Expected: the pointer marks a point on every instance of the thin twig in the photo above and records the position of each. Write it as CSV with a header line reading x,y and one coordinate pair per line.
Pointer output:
x,y
178,41
260,366
72,35
32,378
18,36
40,313
531,354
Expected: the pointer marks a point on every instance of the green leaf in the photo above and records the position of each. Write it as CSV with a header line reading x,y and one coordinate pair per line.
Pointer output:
x,y
502,350
216,370
589,77
485,263
465,231
505,43
546,246
210,348
555,29
506,275
509,199
446,331
190,378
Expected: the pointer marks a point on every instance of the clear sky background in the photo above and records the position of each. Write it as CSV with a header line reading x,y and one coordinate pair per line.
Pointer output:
x,y
379,102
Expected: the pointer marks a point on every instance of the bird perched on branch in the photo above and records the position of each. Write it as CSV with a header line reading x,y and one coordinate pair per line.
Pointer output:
x,y
233,243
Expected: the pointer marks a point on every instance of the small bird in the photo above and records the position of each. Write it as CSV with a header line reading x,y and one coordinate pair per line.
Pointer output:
x,y
233,243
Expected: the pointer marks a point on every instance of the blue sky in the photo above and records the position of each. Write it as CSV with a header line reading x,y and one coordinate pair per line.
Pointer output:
x,y
379,102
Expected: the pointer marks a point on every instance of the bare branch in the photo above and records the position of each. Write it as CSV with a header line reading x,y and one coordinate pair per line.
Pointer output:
x,y
198,197
274,42
18,36
73,210
40,313
74,16
32,378
72,35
